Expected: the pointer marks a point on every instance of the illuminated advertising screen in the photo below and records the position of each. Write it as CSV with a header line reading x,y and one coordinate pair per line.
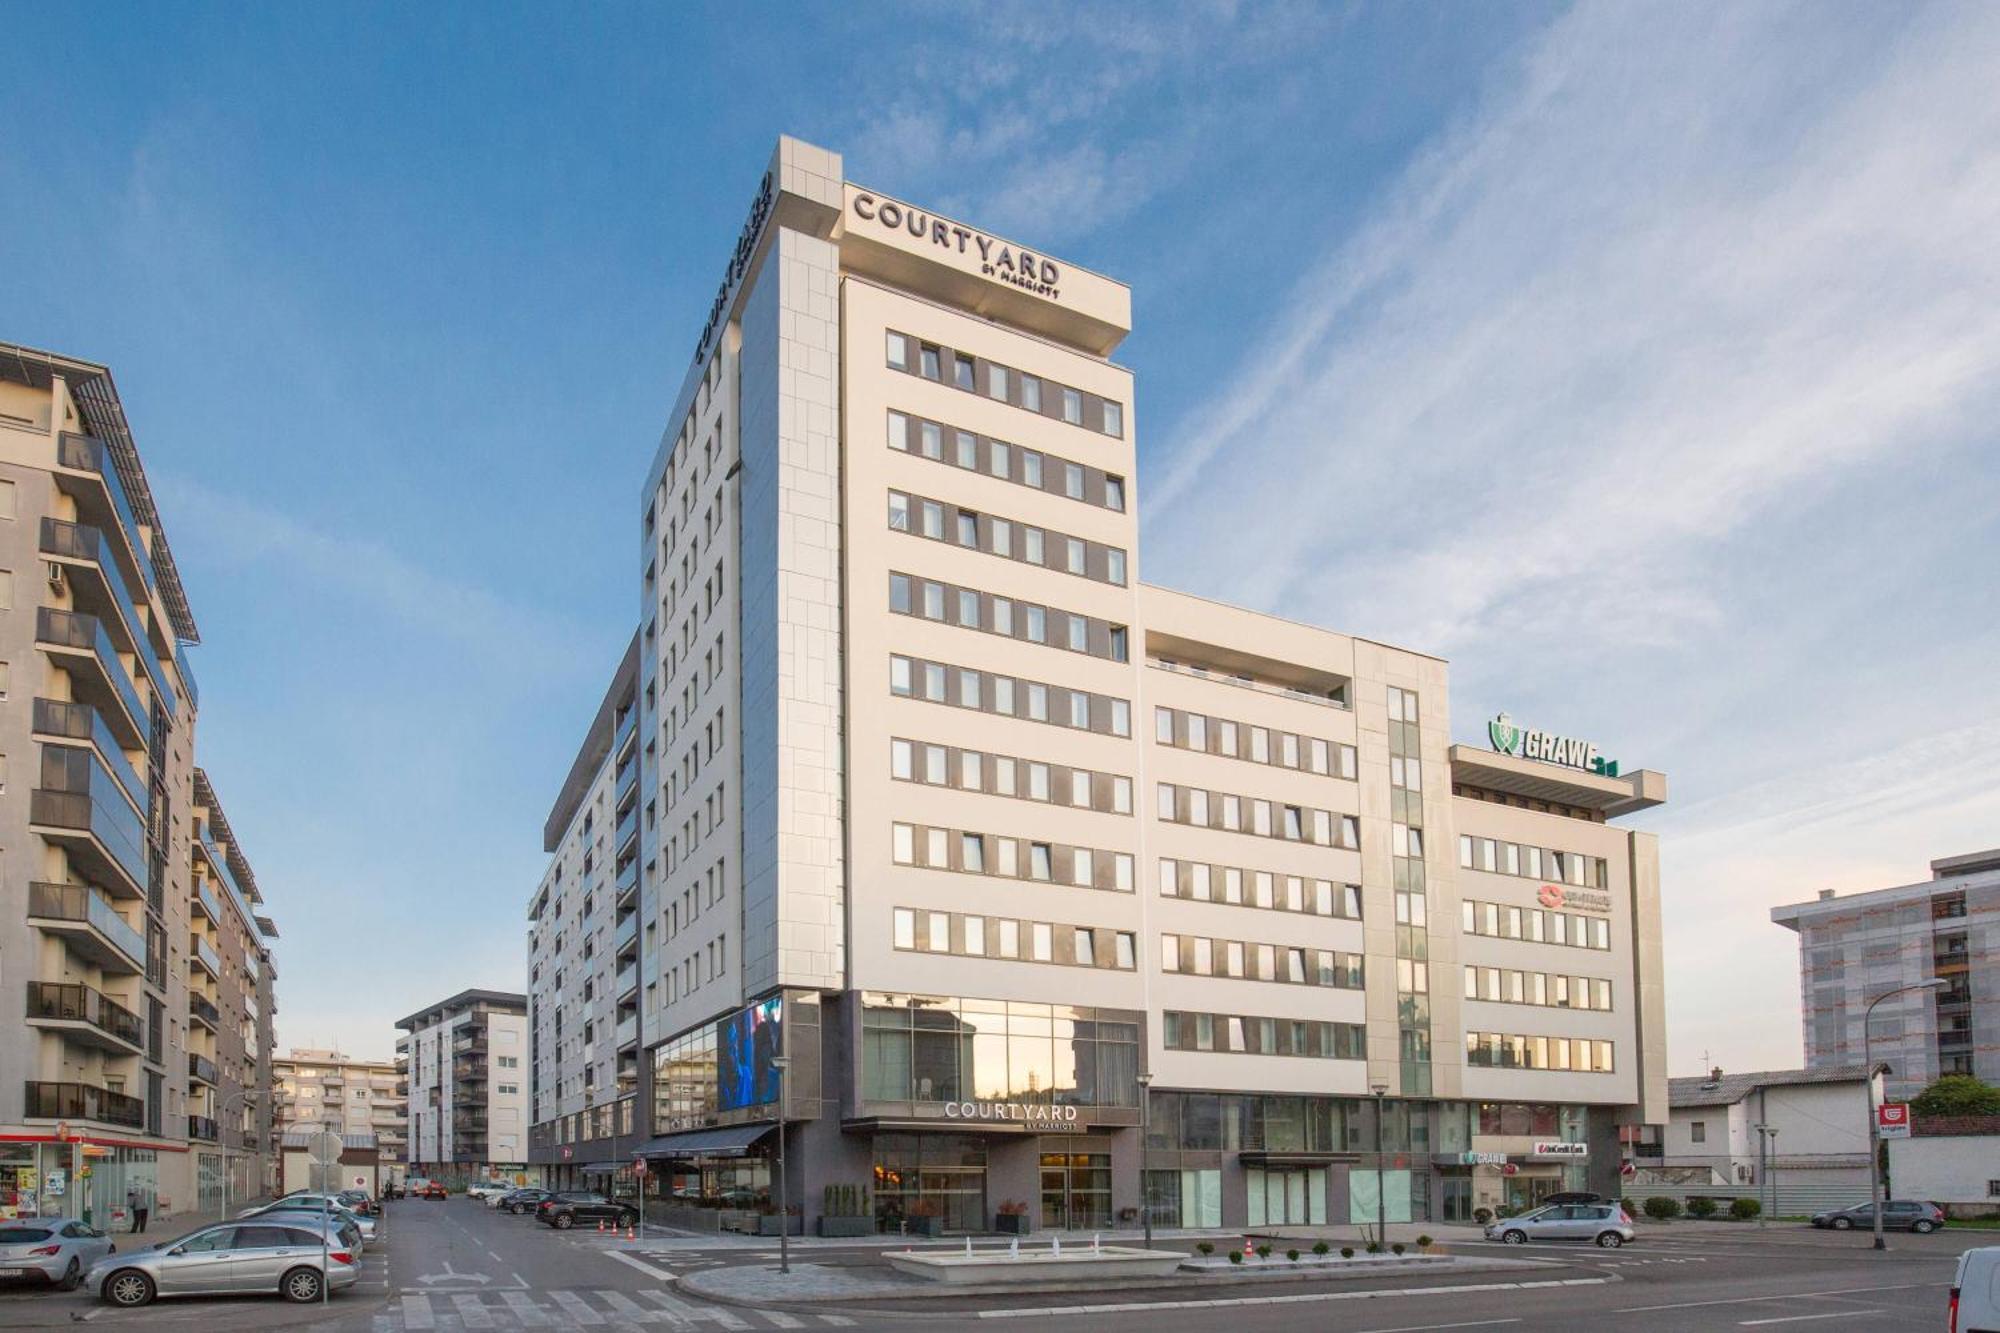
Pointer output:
x,y
745,1046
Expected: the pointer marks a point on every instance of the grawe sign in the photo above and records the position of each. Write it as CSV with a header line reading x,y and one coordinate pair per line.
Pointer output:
x,y
1892,1120
1528,743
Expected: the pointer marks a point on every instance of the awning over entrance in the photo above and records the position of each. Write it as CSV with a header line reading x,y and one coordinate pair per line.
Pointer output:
x,y
728,1141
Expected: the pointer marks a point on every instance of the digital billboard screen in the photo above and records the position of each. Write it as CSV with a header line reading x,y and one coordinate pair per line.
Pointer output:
x,y
746,1044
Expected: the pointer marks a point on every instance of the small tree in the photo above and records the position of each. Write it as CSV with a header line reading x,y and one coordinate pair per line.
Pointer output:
x,y
1701,1207
1957,1094
1482,1215
1236,1256
1744,1209
1293,1255
1660,1207
1397,1249
1320,1248
1347,1251
1264,1250
1424,1243
1207,1247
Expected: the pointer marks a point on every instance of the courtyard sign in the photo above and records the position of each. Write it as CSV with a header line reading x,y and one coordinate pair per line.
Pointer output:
x,y
997,260
1032,1112
1527,743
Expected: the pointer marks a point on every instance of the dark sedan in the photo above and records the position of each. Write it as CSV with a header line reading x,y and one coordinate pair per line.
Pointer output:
x,y
521,1202
563,1211
1897,1215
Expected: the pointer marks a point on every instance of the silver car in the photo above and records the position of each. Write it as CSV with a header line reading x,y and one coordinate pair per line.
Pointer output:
x,y
343,1229
312,1207
1605,1224
56,1250
289,1259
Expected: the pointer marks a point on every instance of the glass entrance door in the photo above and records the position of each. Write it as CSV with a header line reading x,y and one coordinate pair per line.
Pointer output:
x,y
1291,1196
1076,1190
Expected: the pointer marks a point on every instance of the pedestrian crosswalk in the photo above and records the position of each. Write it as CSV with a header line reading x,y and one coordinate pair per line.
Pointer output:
x,y
601,1308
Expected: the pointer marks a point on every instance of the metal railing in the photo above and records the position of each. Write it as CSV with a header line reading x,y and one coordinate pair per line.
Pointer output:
x,y
206,954
204,1008
76,902
203,1068
203,1127
81,722
82,1101
72,1002
88,455
73,629
113,824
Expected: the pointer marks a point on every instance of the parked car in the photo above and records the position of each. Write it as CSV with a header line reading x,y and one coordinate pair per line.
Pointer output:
x,y
359,1202
485,1190
285,1258
522,1202
563,1211
430,1189
1975,1292
1606,1224
1897,1215
314,1204
344,1228
1573,1196
55,1250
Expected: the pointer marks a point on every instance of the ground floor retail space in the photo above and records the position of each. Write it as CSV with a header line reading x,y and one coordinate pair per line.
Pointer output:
x,y
105,1181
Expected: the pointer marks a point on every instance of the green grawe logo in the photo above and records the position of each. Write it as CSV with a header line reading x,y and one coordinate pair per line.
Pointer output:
x,y
1505,735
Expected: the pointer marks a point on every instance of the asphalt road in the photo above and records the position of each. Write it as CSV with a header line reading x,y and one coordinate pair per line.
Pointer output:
x,y
455,1265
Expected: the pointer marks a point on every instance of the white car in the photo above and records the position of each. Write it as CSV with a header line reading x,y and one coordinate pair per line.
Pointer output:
x,y
486,1191
1975,1292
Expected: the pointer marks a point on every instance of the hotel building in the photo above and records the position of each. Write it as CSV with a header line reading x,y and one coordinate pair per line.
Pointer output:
x,y
319,1090
924,790
1856,949
464,1061
135,1022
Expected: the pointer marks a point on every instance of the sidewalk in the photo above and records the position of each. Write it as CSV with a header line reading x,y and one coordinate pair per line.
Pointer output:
x,y
1180,1237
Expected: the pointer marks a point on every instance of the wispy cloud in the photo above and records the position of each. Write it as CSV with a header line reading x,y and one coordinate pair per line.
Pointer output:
x,y
1682,280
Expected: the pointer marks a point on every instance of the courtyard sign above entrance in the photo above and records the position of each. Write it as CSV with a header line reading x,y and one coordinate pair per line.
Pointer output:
x,y
1527,743
1032,1112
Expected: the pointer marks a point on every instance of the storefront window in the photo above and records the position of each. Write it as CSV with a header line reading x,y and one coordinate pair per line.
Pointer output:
x,y
1076,1190
936,1049
930,1175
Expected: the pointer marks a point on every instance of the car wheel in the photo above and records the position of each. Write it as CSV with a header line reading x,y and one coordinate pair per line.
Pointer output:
x,y
71,1276
1843,1224
1515,1237
1610,1240
1924,1227
563,1221
301,1285
518,1209
129,1288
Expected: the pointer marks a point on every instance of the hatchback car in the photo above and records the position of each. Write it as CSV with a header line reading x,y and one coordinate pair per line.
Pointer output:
x,y
522,1202
1605,1224
1897,1215
55,1250
315,1205
430,1189
282,1258
563,1211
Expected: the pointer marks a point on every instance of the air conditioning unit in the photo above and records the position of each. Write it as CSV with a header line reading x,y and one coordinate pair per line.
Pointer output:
x,y
55,576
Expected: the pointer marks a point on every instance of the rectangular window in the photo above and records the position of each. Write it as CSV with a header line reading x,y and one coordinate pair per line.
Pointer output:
x,y
906,921
899,593
933,601
899,512
975,936
940,933
1072,407
1010,939
899,431
904,839
1043,941
1040,861
1031,393
996,382
1031,545
1085,946
1079,634
1078,554
961,371
932,436
1073,480
899,675
968,450
1114,493
899,760
1003,536
972,853
997,459
929,364
899,351
1114,419
968,608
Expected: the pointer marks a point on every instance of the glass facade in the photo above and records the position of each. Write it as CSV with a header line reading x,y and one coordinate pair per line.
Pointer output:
x,y
923,1049
940,1176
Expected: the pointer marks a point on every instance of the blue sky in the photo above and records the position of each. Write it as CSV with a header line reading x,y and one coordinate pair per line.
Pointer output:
x,y
1639,360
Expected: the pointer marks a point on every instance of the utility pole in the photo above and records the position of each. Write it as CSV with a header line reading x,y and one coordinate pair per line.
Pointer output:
x,y
1874,1141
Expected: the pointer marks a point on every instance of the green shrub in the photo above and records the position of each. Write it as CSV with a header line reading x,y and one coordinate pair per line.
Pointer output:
x,y
1424,1242
1293,1255
1397,1249
1264,1250
1347,1251
1374,1247
1236,1256
1482,1215
1660,1207
1744,1209
1320,1248
1207,1247
1701,1207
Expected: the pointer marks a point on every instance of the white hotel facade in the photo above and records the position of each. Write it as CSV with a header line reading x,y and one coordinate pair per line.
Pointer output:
x,y
925,789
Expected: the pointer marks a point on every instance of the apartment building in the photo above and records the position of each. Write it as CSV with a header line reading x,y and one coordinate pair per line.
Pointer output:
x,y
137,1012
363,1100
464,1063
583,953
1858,948
951,837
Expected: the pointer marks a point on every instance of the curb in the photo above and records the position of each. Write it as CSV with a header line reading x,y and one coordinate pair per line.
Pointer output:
x,y
693,1284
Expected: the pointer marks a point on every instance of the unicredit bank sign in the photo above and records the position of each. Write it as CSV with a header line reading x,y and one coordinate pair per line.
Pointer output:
x,y
996,259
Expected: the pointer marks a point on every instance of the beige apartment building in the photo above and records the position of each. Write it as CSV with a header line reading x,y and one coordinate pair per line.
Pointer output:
x,y
933,798
367,1101
463,1063
138,1005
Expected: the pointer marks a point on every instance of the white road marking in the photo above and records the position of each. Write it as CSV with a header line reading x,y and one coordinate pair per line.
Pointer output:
x,y
680,1312
470,1312
1798,1318
837,1320
623,1306
577,1308
783,1320
526,1310
1426,1328
1305,1298
1779,1296
640,1264
417,1312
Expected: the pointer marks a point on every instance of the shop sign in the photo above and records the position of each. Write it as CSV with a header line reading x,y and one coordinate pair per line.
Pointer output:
x,y
1575,1151
1557,896
1892,1120
1025,1112
996,259
1528,743
739,263
1481,1159
57,1183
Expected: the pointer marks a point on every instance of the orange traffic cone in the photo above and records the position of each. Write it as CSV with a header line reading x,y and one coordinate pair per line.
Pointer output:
x,y
630,1234
600,1226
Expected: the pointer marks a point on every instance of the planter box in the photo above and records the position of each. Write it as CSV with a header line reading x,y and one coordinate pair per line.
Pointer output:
x,y
923,1226
1081,1262
1011,1224
846,1226
768,1225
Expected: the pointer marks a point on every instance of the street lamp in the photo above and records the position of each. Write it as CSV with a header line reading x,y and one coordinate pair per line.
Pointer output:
x,y
781,1063
1868,1061
1381,1217
1145,1143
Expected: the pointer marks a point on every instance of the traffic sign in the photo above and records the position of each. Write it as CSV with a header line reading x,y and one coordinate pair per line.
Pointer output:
x,y
1892,1120
639,1167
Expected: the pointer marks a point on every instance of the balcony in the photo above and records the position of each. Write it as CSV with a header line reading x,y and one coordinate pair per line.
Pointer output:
x,y
81,722
204,841
82,1101
99,589
80,646
202,1070
625,936
101,499
628,781
89,925
252,968
627,1032
627,833
202,954
205,899
202,1127
85,1016
626,886
80,808
627,981
203,1011
469,1071
626,732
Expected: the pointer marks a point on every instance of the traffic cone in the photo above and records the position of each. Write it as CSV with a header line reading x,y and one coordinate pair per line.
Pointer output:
x,y
630,1234
600,1226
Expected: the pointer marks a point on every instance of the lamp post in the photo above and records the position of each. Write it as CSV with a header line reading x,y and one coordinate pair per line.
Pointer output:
x,y
1381,1216
781,1063
1774,1175
1763,1169
1145,1144
1868,1061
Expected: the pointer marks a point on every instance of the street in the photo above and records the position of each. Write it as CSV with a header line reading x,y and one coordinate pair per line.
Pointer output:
x,y
455,1265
